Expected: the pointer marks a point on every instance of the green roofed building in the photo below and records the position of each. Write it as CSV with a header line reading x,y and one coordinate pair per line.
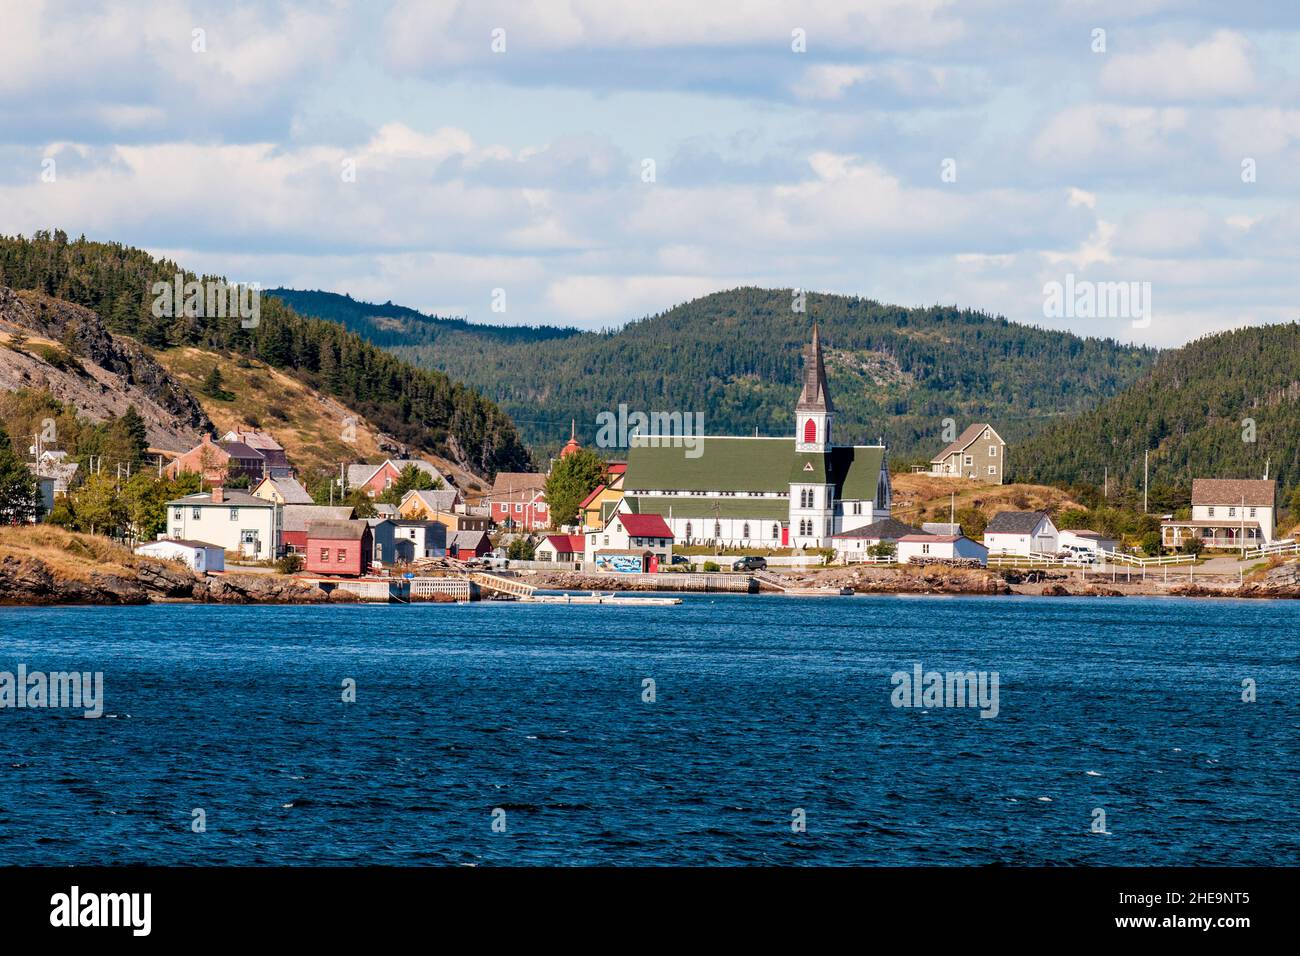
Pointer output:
x,y
762,492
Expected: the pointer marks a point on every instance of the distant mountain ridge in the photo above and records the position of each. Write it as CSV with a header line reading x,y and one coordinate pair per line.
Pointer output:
x,y
895,373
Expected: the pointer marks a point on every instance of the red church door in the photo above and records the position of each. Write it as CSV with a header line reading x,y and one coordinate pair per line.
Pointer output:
x,y
785,536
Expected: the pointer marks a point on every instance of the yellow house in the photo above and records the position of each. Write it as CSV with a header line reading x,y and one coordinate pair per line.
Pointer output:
x,y
598,506
423,505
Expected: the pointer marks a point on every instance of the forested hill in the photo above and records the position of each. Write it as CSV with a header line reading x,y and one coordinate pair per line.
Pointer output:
x,y
735,356
388,324
1194,411
424,409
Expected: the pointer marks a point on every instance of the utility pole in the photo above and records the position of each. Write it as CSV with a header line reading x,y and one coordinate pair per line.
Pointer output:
x,y
1106,482
1145,457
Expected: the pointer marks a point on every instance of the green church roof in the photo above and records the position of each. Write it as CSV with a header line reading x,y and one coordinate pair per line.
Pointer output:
x,y
750,464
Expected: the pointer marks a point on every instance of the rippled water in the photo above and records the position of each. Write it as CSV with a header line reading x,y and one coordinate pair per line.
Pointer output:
x,y
764,705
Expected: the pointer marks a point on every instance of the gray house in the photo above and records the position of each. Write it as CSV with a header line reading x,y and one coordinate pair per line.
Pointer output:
x,y
1021,532
978,453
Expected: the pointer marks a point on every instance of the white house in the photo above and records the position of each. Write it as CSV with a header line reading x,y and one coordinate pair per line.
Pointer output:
x,y
197,555
942,547
1094,541
233,520
632,532
1226,513
1021,532
418,538
561,548
853,545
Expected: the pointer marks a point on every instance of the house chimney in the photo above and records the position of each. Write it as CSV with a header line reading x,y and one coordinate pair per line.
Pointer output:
x,y
218,494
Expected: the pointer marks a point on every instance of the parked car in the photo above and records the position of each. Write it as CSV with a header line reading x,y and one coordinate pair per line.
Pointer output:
x,y
1077,554
750,563
680,559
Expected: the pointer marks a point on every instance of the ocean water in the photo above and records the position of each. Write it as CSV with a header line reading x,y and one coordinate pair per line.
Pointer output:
x,y
764,706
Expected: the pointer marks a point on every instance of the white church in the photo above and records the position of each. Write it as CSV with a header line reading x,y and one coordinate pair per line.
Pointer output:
x,y
763,492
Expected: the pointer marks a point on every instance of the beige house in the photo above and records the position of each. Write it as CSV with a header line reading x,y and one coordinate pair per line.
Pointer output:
x,y
978,453
1231,513
232,520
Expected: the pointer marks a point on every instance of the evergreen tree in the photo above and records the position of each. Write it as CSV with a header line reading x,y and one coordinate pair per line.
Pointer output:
x,y
20,496
572,478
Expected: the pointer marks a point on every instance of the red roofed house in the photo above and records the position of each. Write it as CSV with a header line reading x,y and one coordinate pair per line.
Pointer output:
x,y
625,532
561,547
339,547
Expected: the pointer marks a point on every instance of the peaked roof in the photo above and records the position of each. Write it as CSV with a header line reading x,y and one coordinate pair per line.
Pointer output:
x,y
1257,492
566,543
644,526
1015,522
290,490
815,395
297,517
237,449
434,499
513,482
934,538
886,529
253,439
332,530
591,497
964,440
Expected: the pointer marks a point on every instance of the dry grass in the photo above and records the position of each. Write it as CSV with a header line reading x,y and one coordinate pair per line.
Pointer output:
x,y
68,553
920,498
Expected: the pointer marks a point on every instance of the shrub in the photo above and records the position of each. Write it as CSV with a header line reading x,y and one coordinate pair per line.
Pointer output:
x,y
289,564
711,566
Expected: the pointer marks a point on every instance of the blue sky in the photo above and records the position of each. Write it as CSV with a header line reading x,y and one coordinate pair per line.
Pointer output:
x,y
794,144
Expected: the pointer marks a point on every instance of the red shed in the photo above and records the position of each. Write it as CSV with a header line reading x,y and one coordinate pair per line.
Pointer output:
x,y
339,547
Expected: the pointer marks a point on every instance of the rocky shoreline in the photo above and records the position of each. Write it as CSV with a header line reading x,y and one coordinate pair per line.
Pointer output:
x,y
31,581
28,580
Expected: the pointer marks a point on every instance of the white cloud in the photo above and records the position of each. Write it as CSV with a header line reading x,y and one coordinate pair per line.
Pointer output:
x,y
1220,67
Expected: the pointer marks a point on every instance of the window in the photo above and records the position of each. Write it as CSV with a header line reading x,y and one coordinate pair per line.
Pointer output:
x,y
993,469
519,507
340,554
925,549
857,507
178,513
234,514
1232,512
324,554
969,459
776,531
993,451
717,529
1252,512
1210,512
744,530
196,513
688,533
986,434
810,432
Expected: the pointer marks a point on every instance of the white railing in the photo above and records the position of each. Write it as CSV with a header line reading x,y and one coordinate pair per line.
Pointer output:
x,y
424,587
1277,547
1136,561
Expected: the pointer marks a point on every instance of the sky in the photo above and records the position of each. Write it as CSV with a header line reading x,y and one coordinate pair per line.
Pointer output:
x,y
590,162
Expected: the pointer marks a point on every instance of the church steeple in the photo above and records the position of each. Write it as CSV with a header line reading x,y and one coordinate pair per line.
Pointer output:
x,y
814,411
815,396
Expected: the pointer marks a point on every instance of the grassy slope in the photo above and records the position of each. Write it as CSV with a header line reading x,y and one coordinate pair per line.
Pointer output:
x,y
919,498
309,425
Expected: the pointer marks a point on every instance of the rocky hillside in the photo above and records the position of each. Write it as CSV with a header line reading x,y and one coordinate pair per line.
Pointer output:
x,y
48,344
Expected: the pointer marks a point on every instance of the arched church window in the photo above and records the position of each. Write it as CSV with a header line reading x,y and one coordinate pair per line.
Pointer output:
x,y
810,432
744,530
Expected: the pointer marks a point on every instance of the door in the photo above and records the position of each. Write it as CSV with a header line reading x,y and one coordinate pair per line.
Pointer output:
x,y
785,536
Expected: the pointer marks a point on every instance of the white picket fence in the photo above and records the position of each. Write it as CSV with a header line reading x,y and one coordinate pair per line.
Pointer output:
x,y
1268,550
